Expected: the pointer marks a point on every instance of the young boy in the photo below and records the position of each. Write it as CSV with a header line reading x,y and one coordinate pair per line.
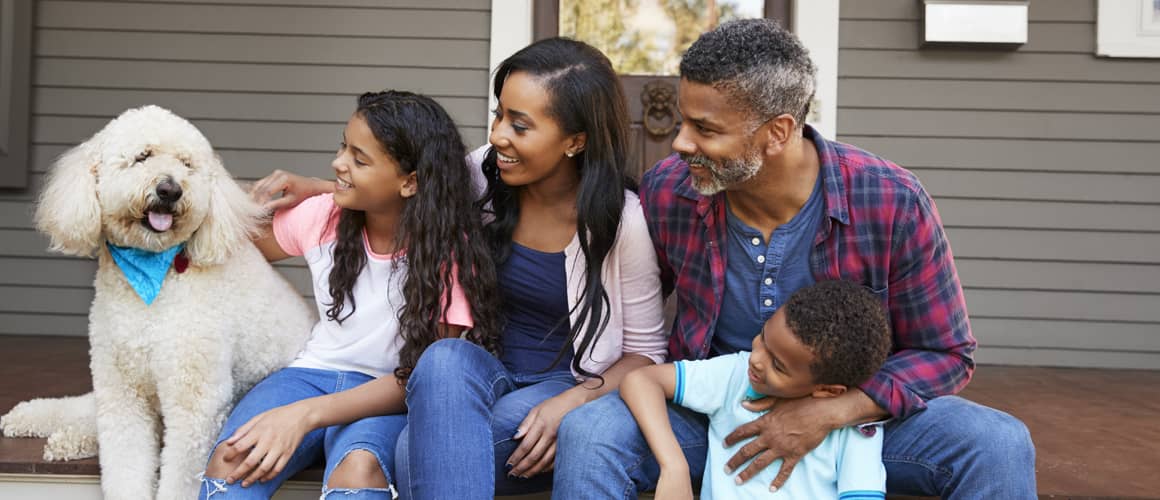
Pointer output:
x,y
826,338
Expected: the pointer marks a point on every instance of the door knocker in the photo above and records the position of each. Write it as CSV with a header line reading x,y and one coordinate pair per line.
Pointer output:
x,y
659,113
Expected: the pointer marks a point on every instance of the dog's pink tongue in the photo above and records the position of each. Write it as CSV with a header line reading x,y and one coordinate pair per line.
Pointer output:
x,y
159,221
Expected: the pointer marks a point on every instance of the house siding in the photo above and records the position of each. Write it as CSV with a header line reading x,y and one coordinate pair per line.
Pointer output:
x,y
1044,161
270,83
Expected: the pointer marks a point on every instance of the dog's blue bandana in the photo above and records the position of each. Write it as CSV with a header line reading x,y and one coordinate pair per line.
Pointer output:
x,y
143,269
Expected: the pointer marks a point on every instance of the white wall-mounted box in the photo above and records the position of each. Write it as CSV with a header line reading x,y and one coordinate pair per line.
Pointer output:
x,y
975,21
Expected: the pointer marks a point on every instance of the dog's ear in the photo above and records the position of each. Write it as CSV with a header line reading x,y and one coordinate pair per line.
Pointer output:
x,y
68,210
231,220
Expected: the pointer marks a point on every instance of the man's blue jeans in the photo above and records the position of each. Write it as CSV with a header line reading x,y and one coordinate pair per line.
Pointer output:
x,y
955,449
463,407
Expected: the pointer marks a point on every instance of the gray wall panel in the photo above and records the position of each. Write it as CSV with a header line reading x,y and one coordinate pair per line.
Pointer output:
x,y
1042,160
907,34
481,5
1095,335
316,137
15,214
1059,276
1081,306
1051,10
1000,124
259,78
60,272
51,300
993,65
267,49
245,165
270,82
1050,244
976,212
1007,154
1120,188
44,323
193,105
900,93
282,20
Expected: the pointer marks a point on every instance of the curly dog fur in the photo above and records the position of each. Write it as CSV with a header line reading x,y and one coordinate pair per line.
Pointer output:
x,y
164,375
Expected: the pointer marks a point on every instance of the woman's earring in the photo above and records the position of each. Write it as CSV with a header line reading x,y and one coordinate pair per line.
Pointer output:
x,y
569,154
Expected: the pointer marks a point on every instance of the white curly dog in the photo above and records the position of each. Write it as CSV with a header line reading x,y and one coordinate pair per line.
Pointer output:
x,y
165,374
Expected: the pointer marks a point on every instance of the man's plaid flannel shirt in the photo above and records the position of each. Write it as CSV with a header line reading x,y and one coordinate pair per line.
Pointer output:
x,y
881,229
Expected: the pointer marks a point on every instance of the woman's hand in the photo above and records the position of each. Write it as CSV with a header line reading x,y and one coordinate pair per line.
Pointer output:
x,y
270,440
293,188
537,434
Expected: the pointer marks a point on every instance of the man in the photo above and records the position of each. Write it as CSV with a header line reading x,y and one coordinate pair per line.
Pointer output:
x,y
756,205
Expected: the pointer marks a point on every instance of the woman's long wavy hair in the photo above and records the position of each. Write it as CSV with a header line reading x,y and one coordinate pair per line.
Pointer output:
x,y
586,96
440,229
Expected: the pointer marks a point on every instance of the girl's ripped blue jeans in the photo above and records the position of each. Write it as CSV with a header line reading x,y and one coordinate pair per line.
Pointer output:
x,y
375,435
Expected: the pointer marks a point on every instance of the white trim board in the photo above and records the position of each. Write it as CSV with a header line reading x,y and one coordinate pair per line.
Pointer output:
x,y
816,23
511,30
1127,29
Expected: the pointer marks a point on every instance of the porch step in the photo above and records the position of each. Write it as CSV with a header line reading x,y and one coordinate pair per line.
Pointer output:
x,y
1097,432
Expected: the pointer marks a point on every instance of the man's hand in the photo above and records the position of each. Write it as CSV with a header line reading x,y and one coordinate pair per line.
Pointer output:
x,y
790,430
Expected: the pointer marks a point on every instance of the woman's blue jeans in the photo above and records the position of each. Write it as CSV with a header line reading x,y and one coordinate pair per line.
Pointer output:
x,y
375,435
954,449
463,407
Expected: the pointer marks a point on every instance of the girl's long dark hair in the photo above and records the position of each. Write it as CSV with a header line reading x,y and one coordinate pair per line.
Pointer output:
x,y
440,228
586,96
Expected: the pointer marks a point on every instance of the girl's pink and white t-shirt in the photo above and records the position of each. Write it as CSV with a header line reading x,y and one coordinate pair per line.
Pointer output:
x,y
368,340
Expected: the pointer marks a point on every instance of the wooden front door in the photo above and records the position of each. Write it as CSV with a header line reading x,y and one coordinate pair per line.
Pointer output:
x,y
648,73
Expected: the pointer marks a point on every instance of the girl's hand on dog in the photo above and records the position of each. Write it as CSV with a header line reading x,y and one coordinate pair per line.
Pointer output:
x,y
270,440
292,188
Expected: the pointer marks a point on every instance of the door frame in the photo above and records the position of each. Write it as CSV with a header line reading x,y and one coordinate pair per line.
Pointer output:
x,y
814,21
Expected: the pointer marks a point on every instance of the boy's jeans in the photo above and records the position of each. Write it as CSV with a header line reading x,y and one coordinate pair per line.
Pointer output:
x,y
463,407
955,449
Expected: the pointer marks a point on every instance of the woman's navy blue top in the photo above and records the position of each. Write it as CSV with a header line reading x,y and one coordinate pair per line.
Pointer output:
x,y
535,304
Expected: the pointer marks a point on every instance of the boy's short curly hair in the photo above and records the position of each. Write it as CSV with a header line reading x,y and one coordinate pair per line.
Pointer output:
x,y
845,326
762,68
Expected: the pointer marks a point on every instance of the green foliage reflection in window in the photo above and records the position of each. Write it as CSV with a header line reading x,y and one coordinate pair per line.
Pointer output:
x,y
647,37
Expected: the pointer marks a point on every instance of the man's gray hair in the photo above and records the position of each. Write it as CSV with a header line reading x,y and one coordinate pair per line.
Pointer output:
x,y
759,66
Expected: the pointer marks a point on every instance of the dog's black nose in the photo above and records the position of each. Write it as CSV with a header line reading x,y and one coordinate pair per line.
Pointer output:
x,y
168,191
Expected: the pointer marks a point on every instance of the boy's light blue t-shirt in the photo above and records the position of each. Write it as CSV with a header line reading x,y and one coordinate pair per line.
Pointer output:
x,y
847,465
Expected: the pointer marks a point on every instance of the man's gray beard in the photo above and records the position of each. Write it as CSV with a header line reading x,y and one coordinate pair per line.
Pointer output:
x,y
722,175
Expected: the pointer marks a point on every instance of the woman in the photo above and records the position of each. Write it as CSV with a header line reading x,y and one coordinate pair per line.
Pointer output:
x,y
577,274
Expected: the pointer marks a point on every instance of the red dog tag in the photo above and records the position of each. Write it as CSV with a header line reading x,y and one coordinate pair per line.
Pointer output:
x,y
180,262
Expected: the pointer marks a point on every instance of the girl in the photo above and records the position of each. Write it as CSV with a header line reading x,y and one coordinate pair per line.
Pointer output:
x,y
577,273
398,260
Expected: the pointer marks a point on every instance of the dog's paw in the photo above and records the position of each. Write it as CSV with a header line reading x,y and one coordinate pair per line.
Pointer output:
x,y
29,419
42,417
71,443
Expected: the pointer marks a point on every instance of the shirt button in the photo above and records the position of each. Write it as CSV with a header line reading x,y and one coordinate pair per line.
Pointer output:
x,y
756,241
760,259
768,281
768,302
